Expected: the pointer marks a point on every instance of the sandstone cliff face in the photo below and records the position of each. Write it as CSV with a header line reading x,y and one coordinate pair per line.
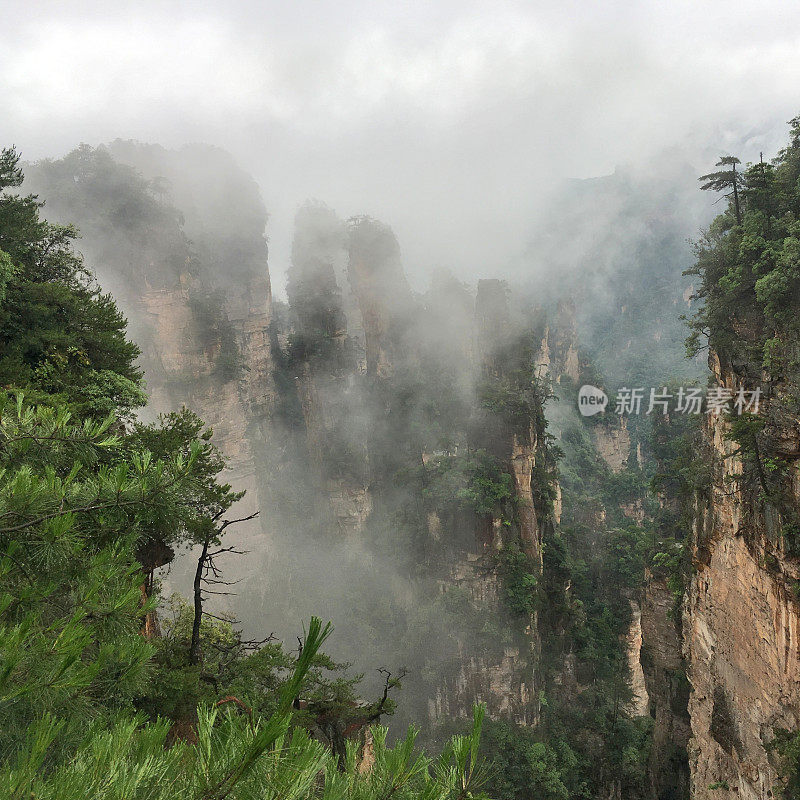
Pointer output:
x,y
506,679
348,497
493,329
381,290
613,443
664,671
180,360
523,459
176,235
557,357
509,681
500,684
503,681
741,630
640,703
742,644
336,292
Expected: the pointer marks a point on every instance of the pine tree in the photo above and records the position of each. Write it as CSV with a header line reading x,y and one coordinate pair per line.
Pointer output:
x,y
726,180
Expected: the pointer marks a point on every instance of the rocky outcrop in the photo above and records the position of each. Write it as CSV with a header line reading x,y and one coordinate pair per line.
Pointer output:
x,y
493,333
742,634
557,356
640,702
504,680
181,359
177,236
317,405
664,671
351,505
345,491
380,287
351,427
613,443
497,683
523,459
564,342
338,344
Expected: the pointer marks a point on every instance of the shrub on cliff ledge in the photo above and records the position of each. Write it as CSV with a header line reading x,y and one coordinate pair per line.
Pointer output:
x,y
474,480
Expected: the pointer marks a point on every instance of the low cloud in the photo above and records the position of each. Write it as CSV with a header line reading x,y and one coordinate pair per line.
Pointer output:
x,y
452,121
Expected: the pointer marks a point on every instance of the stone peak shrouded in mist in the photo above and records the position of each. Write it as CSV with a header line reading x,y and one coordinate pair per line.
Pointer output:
x,y
376,275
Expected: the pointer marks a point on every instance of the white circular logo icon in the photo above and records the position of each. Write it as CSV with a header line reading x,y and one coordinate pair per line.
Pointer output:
x,y
591,400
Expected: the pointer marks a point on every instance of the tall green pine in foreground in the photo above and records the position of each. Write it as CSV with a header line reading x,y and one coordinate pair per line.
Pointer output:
x,y
83,495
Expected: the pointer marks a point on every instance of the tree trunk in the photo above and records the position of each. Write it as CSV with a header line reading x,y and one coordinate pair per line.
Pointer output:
x,y
150,627
195,652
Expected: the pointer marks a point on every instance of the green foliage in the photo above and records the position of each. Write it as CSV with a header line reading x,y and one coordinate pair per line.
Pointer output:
x,y
127,223
204,499
516,396
582,470
786,745
475,480
724,179
315,297
545,478
522,767
594,564
627,548
489,487
516,405
217,334
59,335
254,673
682,471
520,577
749,265
239,759
77,505
7,271
527,764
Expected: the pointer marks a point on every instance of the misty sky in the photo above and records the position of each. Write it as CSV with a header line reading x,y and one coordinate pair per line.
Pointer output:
x,y
451,121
